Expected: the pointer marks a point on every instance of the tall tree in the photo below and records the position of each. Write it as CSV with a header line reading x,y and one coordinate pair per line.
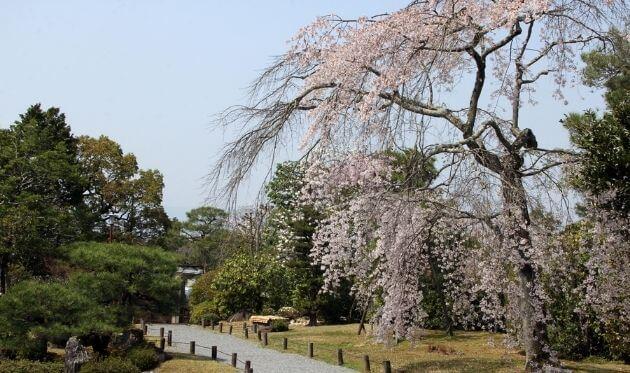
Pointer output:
x,y
603,176
123,201
203,238
376,83
290,228
40,190
604,141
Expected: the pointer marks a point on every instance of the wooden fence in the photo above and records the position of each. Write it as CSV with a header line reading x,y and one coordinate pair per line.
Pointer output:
x,y
262,336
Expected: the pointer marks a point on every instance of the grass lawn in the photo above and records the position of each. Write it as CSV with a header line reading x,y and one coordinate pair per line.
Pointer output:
x,y
435,352
182,363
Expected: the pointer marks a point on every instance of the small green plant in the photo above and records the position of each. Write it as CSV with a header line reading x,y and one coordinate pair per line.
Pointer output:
x,y
30,366
279,325
144,358
110,365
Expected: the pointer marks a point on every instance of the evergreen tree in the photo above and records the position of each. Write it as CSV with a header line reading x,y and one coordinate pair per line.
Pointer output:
x,y
40,190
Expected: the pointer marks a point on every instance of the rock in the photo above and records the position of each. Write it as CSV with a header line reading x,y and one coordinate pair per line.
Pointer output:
x,y
239,316
76,355
127,339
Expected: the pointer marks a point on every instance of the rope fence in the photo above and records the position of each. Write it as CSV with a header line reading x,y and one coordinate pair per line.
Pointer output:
x,y
263,337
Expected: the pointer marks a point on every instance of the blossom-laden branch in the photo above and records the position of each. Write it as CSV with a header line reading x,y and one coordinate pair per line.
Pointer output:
x,y
372,85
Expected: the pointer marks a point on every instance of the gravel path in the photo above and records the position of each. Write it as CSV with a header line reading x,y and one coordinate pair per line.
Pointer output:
x,y
263,360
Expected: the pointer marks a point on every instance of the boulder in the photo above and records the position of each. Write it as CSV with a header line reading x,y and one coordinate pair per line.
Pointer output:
x,y
76,355
127,339
239,316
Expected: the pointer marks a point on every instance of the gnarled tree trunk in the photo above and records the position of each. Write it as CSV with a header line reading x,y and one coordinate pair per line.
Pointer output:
x,y
531,305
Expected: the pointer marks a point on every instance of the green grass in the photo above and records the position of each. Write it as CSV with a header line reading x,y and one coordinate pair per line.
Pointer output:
x,y
182,363
434,352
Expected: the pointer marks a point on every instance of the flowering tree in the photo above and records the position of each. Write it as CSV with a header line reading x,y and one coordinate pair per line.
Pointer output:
x,y
378,83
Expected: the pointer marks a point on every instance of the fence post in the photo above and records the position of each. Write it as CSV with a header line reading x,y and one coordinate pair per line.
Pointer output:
x,y
234,359
339,357
265,340
221,327
310,350
161,333
230,329
248,365
145,329
169,338
259,335
244,325
212,324
285,343
203,322
387,366
192,347
162,343
246,333
213,354
366,363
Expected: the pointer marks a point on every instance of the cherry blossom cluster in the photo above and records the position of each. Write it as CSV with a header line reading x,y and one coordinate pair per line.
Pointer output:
x,y
386,242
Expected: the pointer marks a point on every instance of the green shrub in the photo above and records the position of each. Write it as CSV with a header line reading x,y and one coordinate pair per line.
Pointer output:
x,y
145,358
279,325
109,365
29,366
243,283
288,312
208,310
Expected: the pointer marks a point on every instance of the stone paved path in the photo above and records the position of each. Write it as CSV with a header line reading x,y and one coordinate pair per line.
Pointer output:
x,y
264,360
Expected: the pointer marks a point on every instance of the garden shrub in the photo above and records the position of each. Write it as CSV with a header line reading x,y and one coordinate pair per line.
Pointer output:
x,y
208,310
110,365
144,358
247,283
279,325
30,366
288,312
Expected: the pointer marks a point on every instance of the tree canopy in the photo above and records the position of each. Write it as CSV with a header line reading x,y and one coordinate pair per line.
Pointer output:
x,y
40,190
126,279
122,200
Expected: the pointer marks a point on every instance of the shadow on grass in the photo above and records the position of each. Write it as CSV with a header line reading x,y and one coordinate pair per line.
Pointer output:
x,y
460,364
592,368
183,356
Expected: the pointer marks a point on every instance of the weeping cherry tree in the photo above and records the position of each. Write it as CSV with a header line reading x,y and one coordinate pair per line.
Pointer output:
x,y
449,78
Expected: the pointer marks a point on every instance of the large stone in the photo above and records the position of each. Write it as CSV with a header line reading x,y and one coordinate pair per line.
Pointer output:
x,y
239,316
76,355
127,339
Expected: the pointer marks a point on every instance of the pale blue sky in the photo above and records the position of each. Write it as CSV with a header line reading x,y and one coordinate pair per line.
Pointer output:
x,y
151,74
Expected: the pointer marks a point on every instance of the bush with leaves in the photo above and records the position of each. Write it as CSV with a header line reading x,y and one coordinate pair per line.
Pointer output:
x,y
126,279
30,366
144,358
209,311
33,313
110,365
288,312
279,325
243,283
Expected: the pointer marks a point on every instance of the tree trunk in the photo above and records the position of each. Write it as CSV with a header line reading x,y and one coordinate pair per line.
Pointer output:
x,y
312,318
531,306
4,265
363,316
